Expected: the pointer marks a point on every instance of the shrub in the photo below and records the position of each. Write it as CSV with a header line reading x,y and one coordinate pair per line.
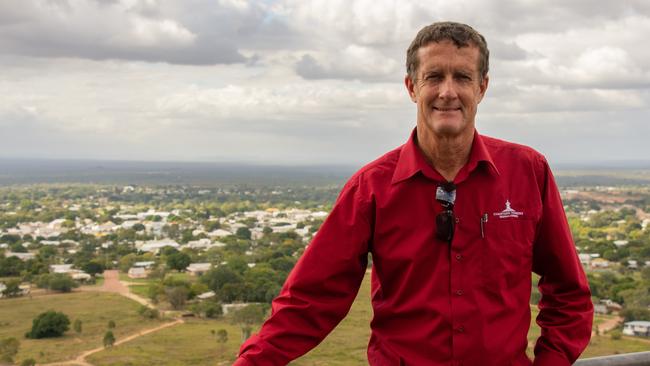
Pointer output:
x,y
49,324
8,349
77,326
109,339
28,362
148,313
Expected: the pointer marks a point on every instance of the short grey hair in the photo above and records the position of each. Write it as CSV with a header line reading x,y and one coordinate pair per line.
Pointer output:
x,y
462,35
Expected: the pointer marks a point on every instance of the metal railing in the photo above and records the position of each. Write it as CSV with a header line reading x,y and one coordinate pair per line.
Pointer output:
x,y
627,359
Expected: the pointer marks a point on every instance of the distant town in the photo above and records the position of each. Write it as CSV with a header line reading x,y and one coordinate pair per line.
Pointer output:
x,y
206,251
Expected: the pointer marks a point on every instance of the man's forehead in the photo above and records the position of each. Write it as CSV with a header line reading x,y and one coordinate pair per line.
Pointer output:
x,y
431,53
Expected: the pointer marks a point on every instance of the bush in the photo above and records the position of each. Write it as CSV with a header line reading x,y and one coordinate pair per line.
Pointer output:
x,y
109,339
177,296
111,324
28,362
49,324
148,313
77,326
8,349
207,309
615,335
62,282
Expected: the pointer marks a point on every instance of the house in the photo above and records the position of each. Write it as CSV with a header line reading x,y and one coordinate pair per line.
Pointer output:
x,y
601,309
197,269
155,245
599,263
61,268
585,259
637,328
21,256
620,243
219,233
137,272
144,264
632,264
227,308
206,295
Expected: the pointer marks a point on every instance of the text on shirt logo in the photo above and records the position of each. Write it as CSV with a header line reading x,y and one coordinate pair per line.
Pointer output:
x,y
508,212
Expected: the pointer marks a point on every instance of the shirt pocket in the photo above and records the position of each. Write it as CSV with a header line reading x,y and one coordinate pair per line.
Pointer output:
x,y
507,251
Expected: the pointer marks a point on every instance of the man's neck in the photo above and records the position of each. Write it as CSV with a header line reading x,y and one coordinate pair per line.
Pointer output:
x,y
446,154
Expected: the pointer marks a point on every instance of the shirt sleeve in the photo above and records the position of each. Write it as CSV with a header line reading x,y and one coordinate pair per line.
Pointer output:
x,y
320,289
566,311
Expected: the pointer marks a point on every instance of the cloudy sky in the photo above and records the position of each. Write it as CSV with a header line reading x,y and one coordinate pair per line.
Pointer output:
x,y
309,81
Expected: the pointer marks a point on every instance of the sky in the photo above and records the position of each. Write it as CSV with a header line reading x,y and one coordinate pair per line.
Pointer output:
x,y
309,81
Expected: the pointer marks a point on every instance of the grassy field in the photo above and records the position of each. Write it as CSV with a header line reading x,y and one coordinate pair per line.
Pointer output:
x,y
193,343
94,309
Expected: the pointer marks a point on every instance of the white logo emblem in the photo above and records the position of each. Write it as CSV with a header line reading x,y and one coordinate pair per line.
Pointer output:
x,y
508,212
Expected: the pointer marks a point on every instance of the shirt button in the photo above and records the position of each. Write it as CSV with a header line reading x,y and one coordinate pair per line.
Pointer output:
x,y
457,220
458,257
459,292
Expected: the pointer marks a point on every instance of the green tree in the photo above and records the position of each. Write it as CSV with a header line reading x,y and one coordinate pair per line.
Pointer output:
x,y
222,339
49,324
246,317
61,282
109,339
13,288
243,233
178,261
77,326
8,350
93,268
177,296
28,362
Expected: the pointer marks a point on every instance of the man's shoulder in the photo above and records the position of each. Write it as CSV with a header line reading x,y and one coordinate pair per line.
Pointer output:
x,y
501,149
379,170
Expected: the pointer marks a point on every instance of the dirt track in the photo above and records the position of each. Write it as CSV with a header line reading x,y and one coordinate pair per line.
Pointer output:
x,y
113,284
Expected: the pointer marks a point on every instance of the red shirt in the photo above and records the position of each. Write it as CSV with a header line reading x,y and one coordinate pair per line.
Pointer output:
x,y
434,303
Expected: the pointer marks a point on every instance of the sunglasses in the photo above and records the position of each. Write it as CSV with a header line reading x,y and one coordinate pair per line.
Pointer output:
x,y
445,220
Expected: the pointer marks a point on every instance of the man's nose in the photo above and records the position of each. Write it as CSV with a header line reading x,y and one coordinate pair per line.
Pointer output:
x,y
448,89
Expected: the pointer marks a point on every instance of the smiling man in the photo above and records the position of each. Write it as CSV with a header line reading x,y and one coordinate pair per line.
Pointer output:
x,y
456,222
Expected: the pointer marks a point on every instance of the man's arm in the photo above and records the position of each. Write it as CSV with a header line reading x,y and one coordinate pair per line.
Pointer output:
x,y
320,289
566,311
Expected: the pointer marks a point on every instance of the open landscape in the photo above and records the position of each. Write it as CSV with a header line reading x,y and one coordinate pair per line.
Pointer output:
x,y
181,274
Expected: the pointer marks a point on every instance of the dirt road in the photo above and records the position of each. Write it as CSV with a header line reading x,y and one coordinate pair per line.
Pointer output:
x,y
113,284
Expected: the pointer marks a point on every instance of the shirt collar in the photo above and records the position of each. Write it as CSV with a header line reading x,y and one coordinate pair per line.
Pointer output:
x,y
411,161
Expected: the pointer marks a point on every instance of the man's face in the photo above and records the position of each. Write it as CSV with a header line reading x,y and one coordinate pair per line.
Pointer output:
x,y
447,90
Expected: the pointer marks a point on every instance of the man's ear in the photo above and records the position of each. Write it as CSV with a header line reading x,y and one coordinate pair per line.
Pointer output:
x,y
410,88
483,87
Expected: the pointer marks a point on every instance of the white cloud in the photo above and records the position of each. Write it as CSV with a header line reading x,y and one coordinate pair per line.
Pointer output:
x,y
308,80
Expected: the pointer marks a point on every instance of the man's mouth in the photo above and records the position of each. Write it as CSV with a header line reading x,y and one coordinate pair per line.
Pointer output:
x,y
446,109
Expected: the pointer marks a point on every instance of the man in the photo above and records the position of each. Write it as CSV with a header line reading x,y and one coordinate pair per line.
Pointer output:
x,y
455,222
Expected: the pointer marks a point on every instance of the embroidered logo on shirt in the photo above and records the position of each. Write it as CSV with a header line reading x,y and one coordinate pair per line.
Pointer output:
x,y
508,212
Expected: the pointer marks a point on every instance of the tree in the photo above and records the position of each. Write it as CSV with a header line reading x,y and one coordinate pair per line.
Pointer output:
x,y
49,324
8,349
93,268
13,288
178,261
177,296
61,282
248,316
109,339
243,233
148,313
77,326
222,338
